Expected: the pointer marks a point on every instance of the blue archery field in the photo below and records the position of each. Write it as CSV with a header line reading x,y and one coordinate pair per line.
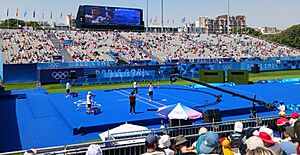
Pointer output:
x,y
45,120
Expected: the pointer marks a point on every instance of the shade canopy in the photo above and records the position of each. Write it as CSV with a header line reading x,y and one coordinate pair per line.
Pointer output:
x,y
178,111
124,130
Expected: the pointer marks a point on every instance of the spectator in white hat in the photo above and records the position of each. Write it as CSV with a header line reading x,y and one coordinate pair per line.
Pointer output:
x,y
165,143
94,149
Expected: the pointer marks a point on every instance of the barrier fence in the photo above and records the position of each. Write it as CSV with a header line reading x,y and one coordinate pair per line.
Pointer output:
x,y
133,148
107,70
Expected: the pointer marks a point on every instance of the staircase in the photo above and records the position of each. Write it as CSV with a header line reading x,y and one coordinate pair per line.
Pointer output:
x,y
142,50
63,52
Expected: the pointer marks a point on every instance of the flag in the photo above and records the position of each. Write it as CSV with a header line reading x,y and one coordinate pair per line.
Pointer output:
x,y
43,15
33,14
173,21
168,21
51,15
61,15
7,12
25,13
183,20
17,13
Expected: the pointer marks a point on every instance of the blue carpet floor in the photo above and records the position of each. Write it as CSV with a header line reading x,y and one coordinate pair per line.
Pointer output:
x,y
43,120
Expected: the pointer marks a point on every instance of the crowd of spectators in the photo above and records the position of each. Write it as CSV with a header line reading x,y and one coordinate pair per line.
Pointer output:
x,y
280,138
170,46
30,46
26,46
96,46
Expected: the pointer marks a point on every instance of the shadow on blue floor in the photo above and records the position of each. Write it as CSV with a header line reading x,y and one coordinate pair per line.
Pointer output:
x,y
9,134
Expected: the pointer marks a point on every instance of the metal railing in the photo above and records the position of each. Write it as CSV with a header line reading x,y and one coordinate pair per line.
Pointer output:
x,y
189,131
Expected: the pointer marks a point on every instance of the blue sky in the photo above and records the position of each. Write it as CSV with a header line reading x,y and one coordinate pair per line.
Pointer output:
x,y
278,13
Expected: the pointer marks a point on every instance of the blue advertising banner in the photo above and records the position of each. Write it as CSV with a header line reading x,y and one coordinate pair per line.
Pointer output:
x,y
55,75
16,73
75,64
118,71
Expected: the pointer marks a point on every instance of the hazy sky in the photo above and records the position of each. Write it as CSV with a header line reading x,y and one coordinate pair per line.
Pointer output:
x,y
278,13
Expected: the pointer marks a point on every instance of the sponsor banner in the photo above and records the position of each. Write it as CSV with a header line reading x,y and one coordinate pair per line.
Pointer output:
x,y
58,65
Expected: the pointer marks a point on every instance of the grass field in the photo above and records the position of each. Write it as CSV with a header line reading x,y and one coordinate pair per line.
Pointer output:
x,y
55,88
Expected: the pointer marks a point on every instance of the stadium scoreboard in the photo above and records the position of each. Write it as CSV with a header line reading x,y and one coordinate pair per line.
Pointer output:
x,y
105,17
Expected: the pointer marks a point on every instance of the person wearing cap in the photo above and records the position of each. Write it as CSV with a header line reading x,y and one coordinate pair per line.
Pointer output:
x,y
181,145
281,107
253,142
89,102
152,145
30,152
94,149
294,133
68,88
150,92
269,143
237,138
201,132
210,144
164,144
135,87
226,148
261,151
294,118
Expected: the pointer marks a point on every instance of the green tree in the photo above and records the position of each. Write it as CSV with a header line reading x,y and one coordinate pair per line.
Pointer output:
x,y
17,23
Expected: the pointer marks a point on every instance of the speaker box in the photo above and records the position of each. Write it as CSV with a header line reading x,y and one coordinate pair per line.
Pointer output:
x,y
212,115
255,68
73,75
238,76
212,76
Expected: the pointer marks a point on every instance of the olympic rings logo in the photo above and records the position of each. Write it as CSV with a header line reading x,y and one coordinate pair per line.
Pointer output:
x,y
60,75
227,67
53,65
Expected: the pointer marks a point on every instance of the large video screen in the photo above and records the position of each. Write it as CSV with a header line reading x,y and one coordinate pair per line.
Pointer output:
x,y
100,15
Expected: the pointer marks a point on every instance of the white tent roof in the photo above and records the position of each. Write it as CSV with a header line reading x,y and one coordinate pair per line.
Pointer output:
x,y
123,130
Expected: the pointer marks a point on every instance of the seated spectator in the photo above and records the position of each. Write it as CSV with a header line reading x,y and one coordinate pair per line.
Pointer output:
x,y
30,152
201,132
237,138
181,145
294,133
261,151
226,148
288,148
94,149
210,144
152,145
164,144
294,118
269,143
253,142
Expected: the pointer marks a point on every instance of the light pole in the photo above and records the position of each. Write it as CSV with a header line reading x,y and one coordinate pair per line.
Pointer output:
x,y
228,17
162,16
147,12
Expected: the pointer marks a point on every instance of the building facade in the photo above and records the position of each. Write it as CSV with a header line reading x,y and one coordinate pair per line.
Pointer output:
x,y
269,30
219,25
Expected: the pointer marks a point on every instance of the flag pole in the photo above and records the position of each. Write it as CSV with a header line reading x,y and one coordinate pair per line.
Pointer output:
x,y
162,16
17,14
